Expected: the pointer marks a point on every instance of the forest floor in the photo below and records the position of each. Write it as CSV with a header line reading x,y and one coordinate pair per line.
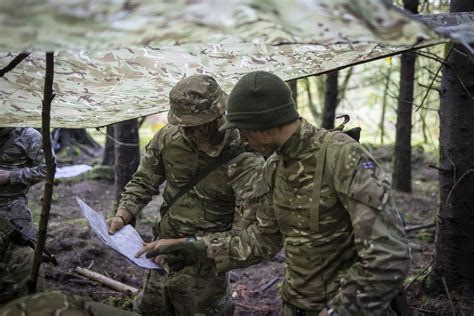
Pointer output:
x,y
255,289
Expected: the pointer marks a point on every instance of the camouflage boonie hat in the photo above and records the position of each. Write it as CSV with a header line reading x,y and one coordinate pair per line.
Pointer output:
x,y
196,100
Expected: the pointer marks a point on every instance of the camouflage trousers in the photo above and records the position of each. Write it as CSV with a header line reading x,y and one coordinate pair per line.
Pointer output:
x,y
184,293
16,261
15,269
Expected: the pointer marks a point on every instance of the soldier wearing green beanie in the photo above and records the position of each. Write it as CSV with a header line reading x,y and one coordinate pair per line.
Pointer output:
x,y
260,100
325,201
183,151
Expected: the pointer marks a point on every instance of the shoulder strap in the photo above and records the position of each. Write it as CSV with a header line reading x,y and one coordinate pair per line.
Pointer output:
x,y
221,160
318,178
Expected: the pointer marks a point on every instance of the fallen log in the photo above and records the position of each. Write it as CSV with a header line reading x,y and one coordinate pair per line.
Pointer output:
x,y
116,285
418,227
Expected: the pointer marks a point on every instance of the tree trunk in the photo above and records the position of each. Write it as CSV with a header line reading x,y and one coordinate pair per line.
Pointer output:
x,y
312,106
384,103
454,258
330,100
424,127
402,156
109,149
127,154
342,88
74,138
294,90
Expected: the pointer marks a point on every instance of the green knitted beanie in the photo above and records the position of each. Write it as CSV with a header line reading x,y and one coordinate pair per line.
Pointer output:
x,y
260,100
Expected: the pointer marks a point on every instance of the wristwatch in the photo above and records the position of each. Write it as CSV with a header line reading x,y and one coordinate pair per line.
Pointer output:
x,y
331,312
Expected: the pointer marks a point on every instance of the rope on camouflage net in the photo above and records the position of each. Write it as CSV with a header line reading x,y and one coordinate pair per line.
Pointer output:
x,y
116,141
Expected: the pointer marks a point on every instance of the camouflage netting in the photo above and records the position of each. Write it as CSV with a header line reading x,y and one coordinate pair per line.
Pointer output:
x,y
117,60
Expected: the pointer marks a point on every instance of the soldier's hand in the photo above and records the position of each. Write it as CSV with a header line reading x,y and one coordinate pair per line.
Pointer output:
x,y
114,224
155,245
4,176
182,254
121,218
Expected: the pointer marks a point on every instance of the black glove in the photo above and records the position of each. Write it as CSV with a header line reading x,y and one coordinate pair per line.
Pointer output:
x,y
181,255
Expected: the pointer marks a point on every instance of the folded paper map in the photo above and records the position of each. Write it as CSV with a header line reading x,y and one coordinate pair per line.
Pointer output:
x,y
125,241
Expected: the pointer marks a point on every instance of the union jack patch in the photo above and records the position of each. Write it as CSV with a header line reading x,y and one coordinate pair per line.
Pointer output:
x,y
367,165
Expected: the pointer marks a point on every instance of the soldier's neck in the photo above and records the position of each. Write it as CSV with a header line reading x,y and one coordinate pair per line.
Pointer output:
x,y
286,131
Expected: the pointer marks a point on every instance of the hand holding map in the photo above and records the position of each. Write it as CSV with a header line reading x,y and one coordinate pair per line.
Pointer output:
x,y
126,241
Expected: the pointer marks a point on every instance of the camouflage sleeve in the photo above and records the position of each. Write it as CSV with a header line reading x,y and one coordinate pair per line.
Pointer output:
x,y
243,173
36,171
146,180
364,189
258,242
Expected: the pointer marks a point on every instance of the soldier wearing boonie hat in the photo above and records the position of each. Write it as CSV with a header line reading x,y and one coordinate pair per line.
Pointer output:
x,y
196,100
324,200
182,152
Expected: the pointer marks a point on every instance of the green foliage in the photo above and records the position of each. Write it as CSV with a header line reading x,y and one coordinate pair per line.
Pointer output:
x,y
54,197
425,235
368,88
417,276
122,302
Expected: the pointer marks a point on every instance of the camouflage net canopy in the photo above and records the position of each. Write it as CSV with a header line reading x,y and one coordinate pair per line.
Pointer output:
x,y
117,60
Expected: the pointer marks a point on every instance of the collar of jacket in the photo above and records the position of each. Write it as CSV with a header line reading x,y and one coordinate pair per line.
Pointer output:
x,y
230,136
300,142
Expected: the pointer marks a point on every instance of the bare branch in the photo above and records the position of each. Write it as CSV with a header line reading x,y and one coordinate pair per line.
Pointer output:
x,y
18,59
50,170
427,266
457,182
418,227
449,296
436,75
428,87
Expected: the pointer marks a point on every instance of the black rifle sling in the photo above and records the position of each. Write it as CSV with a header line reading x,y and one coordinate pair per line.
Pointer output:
x,y
221,160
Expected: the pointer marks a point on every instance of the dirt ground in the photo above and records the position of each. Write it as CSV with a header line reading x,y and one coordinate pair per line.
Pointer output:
x,y
255,289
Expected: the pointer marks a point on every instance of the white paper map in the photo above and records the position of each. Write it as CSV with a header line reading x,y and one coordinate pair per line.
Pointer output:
x,y
126,241
71,171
